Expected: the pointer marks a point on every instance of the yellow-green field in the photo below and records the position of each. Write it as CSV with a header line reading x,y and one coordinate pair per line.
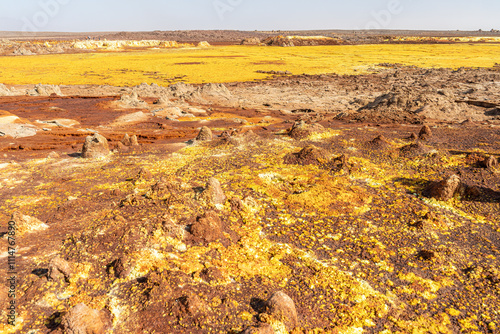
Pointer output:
x,y
233,63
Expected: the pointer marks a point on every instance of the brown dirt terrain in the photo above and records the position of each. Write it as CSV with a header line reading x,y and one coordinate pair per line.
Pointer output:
x,y
309,204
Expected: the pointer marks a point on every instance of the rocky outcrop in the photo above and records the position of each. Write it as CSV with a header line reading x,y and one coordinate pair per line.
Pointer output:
x,y
205,134
59,269
280,307
95,146
26,224
81,319
44,90
443,190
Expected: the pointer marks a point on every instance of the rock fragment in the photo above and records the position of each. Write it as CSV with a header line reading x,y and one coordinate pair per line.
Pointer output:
x,y
425,133
282,308
380,142
59,269
213,193
121,267
53,155
491,162
81,319
301,130
26,224
192,304
207,227
309,155
129,141
414,150
95,146
205,134
444,190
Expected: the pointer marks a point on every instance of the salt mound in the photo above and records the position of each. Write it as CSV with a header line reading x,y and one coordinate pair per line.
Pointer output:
x,y
209,91
4,91
44,90
251,41
180,90
203,44
131,101
403,103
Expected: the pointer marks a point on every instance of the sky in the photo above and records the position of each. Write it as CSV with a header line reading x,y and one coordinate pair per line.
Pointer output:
x,y
148,15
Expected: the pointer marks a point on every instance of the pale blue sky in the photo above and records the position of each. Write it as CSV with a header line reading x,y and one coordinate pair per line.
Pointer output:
x,y
146,15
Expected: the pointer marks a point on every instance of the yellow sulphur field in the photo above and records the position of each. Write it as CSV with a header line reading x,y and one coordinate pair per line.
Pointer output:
x,y
233,63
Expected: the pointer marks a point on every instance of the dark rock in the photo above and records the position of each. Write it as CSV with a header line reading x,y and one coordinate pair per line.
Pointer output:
x,y
95,146
192,304
445,189
426,255
207,227
302,130
121,267
211,274
413,137
425,133
59,269
379,142
413,150
309,155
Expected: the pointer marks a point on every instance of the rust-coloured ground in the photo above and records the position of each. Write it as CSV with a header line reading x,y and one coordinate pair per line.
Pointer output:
x,y
352,240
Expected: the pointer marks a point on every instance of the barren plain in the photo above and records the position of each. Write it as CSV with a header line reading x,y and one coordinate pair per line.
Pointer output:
x,y
294,184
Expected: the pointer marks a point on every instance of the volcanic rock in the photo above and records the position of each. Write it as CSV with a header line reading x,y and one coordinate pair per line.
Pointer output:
x,y
425,133
211,274
205,134
207,227
81,319
59,269
443,190
309,155
413,150
121,267
379,142
95,146
282,308
191,304
213,193
302,130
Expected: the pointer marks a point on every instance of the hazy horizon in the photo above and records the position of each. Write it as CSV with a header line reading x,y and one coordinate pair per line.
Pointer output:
x,y
150,15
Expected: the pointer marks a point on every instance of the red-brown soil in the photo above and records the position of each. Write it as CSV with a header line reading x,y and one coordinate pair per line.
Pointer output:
x,y
340,219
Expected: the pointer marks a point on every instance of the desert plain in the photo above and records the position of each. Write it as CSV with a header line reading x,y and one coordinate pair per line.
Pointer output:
x,y
250,182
